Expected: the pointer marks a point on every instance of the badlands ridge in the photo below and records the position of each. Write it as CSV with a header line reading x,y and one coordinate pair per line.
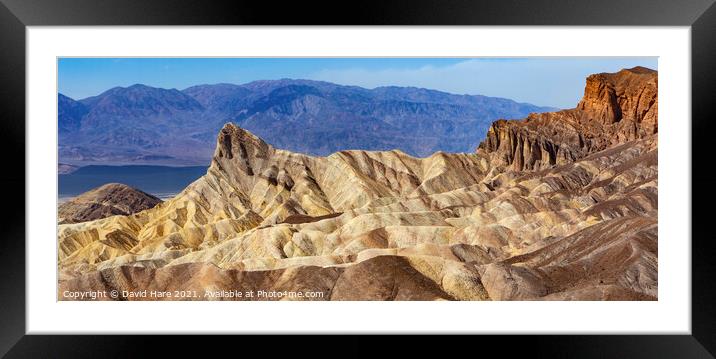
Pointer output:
x,y
558,206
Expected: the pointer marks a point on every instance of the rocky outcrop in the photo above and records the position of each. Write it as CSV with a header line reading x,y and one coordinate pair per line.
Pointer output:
x,y
104,201
628,95
574,218
616,108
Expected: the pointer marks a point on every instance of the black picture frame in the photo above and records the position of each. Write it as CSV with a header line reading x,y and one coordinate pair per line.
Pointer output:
x,y
700,15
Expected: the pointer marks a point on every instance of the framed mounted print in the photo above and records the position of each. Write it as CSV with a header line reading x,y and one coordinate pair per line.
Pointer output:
x,y
513,174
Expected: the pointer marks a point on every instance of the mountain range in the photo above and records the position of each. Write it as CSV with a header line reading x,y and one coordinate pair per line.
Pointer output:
x,y
559,205
145,125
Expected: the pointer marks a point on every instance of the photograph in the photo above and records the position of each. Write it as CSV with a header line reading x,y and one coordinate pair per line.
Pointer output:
x,y
357,178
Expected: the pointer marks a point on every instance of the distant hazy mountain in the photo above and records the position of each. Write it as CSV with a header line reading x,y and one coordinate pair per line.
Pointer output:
x,y
142,124
69,114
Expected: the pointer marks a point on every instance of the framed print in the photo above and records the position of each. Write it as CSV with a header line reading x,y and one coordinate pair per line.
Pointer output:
x,y
478,170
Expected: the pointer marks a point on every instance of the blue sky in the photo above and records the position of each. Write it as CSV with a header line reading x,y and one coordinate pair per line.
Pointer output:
x,y
555,81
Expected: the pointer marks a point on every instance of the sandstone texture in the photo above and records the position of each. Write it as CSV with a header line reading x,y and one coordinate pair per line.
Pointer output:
x,y
616,108
559,206
105,201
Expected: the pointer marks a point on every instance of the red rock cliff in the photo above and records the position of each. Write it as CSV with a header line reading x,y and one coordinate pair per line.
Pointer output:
x,y
615,108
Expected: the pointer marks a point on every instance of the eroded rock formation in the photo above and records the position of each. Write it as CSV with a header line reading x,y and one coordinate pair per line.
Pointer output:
x,y
616,108
558,206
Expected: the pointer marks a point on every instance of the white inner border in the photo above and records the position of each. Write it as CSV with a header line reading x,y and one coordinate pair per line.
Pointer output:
x,y
670,314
